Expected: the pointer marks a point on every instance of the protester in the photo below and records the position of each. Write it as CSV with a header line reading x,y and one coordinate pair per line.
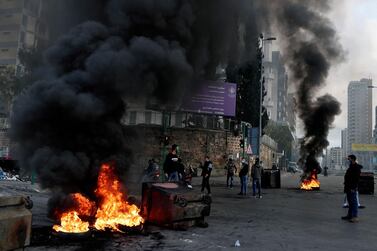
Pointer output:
x,y
345,201
325,171
152,172
351,181
171,164
181,170
243,176
188,176
206,173
256,174
230,168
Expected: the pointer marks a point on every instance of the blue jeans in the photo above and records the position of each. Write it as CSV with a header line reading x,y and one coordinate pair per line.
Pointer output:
x,y
173,176
243,184
352,202
256,184
229,177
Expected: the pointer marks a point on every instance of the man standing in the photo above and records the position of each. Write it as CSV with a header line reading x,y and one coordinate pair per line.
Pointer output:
x,y
206,173
351,181
230,170
171,164
243,176
256,172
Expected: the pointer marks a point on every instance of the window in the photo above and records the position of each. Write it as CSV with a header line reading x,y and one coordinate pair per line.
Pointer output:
x,y
133,118
6,32
178,119
148,117
4,50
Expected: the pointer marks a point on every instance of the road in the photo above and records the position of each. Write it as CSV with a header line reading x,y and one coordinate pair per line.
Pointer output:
x,y
284,219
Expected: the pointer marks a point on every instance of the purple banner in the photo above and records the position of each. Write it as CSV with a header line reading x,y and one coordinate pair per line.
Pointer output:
x,y
213,97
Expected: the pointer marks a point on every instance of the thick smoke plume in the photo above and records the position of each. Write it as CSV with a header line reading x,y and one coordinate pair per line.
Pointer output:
x,y
148,51
312,46
153,51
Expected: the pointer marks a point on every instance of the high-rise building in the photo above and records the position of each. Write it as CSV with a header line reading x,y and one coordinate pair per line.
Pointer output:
x,y
21,27
282,87
360,118
334,159
276,84
291,111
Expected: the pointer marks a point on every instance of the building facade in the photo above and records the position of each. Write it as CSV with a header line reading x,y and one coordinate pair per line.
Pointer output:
x,y
337,158
276,84
360,120
21,27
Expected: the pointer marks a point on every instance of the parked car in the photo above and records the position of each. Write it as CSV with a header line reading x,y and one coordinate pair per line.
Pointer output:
x,y
292,167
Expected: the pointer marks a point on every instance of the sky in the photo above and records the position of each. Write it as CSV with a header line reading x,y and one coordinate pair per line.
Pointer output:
x,y
356,24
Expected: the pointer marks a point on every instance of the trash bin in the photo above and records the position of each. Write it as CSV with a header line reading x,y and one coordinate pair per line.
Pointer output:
x,y
165,204
366,183
271,178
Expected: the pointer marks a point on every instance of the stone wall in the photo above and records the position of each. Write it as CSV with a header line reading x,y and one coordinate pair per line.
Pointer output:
x,y
194,145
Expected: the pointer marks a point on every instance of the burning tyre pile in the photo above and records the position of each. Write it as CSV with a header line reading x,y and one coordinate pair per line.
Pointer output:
x,y
110,211
309,180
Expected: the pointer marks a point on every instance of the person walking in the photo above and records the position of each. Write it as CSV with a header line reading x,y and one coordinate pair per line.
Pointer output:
x,y
351,181
345,201
256,174
243,176
230,168
171,164
206,174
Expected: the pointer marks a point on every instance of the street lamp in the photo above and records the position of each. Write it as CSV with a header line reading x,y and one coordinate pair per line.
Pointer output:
x,y
261,92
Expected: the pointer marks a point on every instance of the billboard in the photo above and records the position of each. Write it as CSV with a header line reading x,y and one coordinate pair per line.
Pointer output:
x,y
213,97
364,147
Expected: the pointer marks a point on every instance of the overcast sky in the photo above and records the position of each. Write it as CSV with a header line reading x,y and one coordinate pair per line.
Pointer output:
x,y
356,23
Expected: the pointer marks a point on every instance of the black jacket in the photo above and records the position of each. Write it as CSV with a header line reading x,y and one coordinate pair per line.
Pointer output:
x,y
244,170
351,178
171,166
207,168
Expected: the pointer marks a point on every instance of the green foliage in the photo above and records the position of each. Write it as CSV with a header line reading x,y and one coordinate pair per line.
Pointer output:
x,y
282,135
12,84
248,76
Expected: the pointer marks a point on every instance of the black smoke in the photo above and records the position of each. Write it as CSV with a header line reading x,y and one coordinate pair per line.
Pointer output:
x,y
70,121
152,51
311,47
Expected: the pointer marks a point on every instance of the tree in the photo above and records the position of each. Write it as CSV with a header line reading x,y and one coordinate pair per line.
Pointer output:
x,y
248,79
10,86
282,135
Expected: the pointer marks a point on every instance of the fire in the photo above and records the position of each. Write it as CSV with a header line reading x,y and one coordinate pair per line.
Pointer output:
x,y
71,223
84,206
113,210
311,183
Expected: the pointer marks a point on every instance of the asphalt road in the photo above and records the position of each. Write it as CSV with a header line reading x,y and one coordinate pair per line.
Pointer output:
x,y
284,219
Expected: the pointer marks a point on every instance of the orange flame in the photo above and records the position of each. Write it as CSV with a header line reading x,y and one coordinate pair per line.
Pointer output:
x,y
84,206
310,183
114,210
71,223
